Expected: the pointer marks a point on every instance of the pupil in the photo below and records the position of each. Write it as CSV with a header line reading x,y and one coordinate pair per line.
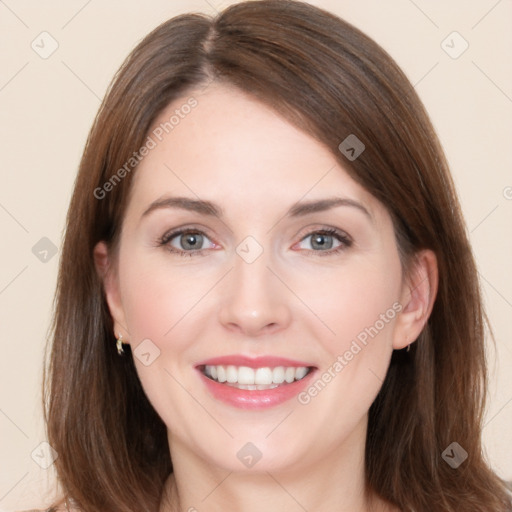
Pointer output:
x,y
321,242
191,241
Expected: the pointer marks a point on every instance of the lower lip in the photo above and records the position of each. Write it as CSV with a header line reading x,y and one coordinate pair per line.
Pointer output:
x,y
256,399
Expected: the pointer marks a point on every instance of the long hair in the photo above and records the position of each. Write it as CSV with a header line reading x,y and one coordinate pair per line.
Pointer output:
x,y
331,81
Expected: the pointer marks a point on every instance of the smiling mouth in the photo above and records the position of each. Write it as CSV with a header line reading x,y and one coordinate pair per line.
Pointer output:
x,y
243,377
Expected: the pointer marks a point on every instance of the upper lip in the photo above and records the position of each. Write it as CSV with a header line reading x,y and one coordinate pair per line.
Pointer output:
x,y
252,362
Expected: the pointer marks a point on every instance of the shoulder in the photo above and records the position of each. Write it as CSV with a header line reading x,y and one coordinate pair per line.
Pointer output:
x,y
59,504
56,508
61,508
43,510
39,510
51,509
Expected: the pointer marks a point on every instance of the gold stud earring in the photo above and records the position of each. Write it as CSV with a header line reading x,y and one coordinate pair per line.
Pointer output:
x,y
119,344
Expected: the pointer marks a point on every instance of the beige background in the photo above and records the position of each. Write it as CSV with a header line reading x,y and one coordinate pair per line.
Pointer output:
x,y
47,108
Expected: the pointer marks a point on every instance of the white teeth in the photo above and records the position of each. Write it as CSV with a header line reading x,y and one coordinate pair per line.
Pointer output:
x,y
289,375
252,387
245,375
252,378
301,372
221,373
231,374
263,376
278,375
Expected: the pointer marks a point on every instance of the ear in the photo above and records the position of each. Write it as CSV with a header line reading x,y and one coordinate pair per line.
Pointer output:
x,y
417,298
105,268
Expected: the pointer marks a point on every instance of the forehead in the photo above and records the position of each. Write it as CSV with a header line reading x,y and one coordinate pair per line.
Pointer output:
x,y
229,147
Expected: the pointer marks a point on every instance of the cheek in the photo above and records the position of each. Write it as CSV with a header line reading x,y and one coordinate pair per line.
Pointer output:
x,y
361,308
352,299
161,305
146,307
160,299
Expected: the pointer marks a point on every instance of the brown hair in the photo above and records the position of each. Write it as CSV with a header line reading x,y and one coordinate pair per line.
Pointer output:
x,y
330,80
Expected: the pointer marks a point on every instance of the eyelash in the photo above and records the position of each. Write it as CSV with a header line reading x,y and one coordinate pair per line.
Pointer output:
x,y
165,239
343,238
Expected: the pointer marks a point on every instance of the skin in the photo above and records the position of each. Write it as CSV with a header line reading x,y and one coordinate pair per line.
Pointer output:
x,y
293,301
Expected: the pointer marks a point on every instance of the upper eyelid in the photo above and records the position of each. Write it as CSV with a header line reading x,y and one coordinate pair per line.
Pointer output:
x,y
185,229
331,230
306,231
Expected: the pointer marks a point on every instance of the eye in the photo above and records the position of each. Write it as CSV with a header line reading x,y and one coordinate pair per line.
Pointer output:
x,y
187,242
325,240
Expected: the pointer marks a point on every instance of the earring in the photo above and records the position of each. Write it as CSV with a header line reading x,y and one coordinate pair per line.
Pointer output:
x,y
119,344
408,348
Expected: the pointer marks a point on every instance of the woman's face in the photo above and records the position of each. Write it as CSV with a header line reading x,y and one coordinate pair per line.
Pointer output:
x,y
283,256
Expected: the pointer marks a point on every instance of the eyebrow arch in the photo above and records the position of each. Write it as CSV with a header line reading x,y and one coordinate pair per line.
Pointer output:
x,y
185,203
298,209
307,207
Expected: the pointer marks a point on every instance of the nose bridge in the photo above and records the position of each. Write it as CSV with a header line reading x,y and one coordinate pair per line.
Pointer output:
x,y
252,279
253,301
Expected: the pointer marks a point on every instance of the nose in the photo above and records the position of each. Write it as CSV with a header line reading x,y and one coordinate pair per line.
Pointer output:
x,y
253,301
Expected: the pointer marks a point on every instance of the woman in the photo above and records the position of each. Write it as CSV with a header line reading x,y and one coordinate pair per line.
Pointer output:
x,y
267,299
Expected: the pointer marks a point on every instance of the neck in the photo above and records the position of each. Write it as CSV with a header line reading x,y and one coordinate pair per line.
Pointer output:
x,y
333,483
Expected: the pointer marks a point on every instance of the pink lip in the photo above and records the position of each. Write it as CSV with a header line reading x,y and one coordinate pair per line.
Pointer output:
x,y
257,399
254,399
252,362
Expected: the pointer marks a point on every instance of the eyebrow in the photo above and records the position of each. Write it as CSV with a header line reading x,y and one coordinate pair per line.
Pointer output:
x,y
298,209
321,205
185,203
